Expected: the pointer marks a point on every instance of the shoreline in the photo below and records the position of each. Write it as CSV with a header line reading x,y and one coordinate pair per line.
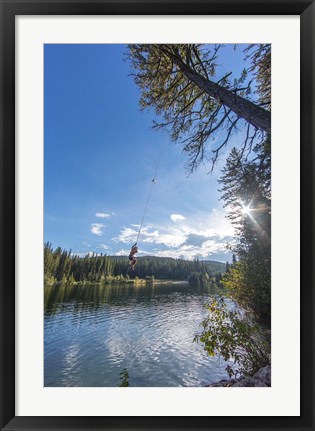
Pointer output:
x,y
141,281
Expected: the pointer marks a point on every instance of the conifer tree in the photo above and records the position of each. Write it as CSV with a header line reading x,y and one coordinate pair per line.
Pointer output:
x,y
180,83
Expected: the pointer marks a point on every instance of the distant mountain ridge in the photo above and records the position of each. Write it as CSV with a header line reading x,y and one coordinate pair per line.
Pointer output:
x,y
167,267
221,265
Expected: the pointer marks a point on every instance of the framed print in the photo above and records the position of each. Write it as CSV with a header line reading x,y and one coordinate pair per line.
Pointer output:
x,y
157,215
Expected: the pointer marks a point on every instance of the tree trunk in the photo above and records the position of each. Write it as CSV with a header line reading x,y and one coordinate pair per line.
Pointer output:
x,y
253,114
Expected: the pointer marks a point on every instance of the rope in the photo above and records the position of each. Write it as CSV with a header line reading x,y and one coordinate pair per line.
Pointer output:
x,y
149,195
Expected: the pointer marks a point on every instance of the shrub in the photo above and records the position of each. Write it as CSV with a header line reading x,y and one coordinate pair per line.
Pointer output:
x,y
234,336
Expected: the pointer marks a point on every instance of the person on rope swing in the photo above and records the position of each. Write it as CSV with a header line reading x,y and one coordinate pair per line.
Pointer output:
x,y
132,257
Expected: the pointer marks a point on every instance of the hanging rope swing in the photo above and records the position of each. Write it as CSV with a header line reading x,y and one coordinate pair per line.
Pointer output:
x,y
134,248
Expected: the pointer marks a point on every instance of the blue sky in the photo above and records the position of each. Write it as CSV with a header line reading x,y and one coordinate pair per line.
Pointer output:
x,y
100,157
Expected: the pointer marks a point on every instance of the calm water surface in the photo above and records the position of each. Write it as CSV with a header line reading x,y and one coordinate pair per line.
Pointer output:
x,y
109,335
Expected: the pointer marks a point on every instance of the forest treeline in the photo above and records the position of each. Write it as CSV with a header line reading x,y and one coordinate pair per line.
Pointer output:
x,y
62,266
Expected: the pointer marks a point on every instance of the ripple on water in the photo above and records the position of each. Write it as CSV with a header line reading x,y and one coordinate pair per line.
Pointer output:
x,y
151,336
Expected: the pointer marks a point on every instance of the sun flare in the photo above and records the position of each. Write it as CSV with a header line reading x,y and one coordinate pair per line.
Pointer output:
x,y
246,210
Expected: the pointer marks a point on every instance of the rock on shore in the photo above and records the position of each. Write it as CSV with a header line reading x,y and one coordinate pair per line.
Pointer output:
x,y
261,379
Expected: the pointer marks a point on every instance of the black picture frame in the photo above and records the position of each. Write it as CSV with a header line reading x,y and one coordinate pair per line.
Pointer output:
x,y
9,10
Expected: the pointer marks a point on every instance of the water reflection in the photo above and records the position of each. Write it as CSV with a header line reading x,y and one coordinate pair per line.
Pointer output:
x,y
126,335
96,295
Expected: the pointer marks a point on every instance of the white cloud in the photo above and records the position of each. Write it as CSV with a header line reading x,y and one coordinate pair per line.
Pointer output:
x,y
96,228
126,235
190,252
86,253
176,217
102,215
79,253
122,252
173,238
200,235
103,247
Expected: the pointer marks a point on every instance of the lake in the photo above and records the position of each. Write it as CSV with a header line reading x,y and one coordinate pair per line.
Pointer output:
x,y
120,335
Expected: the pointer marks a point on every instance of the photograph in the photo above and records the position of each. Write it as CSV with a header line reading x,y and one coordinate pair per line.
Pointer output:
x,y
157,198
157,215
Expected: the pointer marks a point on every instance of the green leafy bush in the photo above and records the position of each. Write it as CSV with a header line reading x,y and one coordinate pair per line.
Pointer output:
x,y
232,335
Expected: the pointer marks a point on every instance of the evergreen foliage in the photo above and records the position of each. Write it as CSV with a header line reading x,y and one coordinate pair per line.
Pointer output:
x,y
260,59
246,192
243,336
199,108
63,267
199,278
